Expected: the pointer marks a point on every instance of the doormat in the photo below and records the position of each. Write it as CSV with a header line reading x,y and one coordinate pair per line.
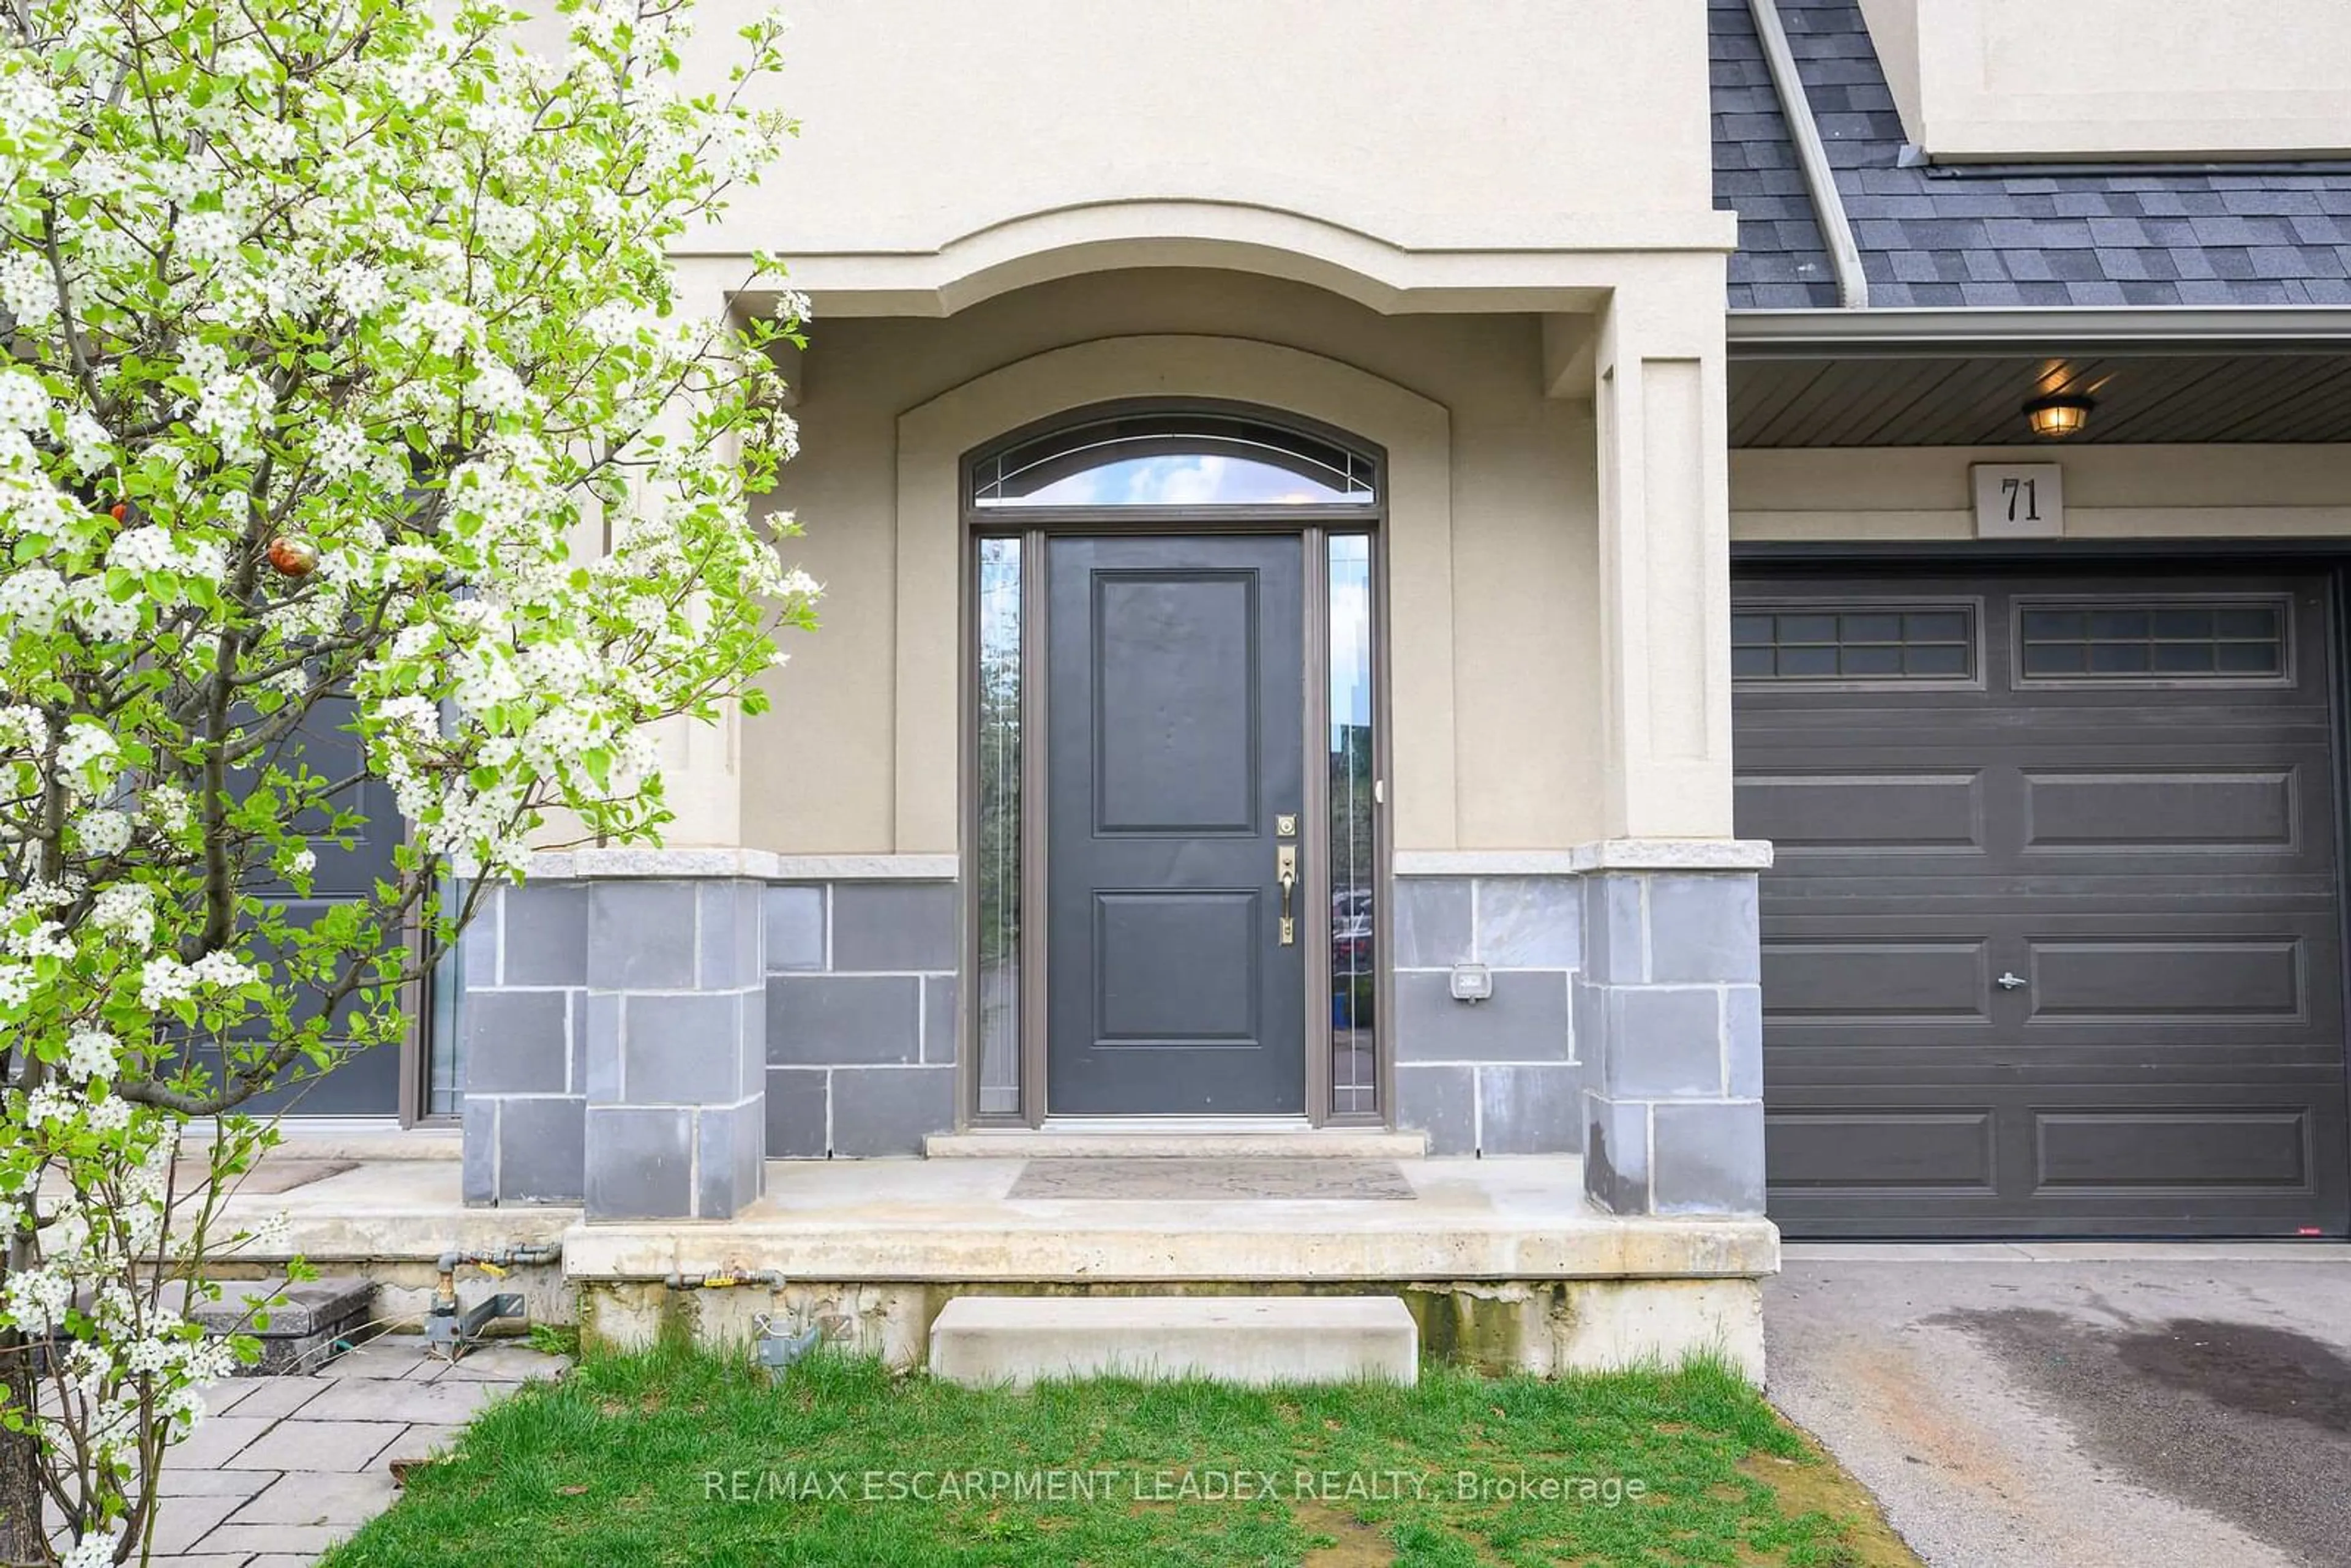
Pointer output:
x,y
1181,1181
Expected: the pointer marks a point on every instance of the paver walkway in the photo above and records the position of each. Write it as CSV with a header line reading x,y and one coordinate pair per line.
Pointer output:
x,y
284,1466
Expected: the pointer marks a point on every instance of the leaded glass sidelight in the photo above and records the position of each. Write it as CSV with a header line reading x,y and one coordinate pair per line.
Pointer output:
x,y
1173,460
998,845
1354,965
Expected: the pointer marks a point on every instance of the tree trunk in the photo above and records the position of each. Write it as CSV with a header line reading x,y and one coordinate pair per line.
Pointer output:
x,y
20,1461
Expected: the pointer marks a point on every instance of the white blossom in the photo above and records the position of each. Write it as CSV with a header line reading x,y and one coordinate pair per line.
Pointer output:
x,y
95,1550
103,832
47,1104
341,450
221,968
164,981
167,806
35,1299
90,1053
88,447
207,236
86,745
31,597
26,728
102,617
24,401
28,289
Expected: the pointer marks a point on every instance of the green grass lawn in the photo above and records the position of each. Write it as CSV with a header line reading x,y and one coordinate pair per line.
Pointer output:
x,y
675,1458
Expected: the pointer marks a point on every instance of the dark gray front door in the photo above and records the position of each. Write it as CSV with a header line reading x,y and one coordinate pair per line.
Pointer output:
x,y
1175,744
2051,941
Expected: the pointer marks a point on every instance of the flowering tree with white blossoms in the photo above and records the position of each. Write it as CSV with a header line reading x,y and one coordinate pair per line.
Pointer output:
x,y
347,387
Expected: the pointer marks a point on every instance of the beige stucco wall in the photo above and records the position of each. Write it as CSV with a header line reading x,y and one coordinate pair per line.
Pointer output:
x,y
2111,492
1517,124
2025,78
1486,219
1495,655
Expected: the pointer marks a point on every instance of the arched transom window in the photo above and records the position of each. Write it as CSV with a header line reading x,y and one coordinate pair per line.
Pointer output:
x,y
1183,459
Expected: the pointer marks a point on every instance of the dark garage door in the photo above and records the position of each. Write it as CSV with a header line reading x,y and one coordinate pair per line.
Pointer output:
x,y
2052,943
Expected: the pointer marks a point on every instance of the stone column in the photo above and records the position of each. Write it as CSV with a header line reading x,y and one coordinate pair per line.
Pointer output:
x,y
615,1034
1668,1015
1665,558
675,1048
1669,1031
613,1006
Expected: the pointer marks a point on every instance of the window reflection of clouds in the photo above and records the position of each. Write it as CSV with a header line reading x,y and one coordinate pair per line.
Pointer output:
x,y
1350,631
1355,1077
1189,480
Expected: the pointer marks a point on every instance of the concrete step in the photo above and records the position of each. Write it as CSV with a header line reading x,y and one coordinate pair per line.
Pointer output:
x,y
1315,1143
1252,1340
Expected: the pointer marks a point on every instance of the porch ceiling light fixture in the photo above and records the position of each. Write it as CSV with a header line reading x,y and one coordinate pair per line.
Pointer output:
x,y
2055,418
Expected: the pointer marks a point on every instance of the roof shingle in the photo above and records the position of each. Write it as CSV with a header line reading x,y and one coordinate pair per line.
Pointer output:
x,y
2118,237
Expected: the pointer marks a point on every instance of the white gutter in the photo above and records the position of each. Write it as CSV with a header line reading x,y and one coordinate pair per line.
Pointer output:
x,y
2043,328
1828,208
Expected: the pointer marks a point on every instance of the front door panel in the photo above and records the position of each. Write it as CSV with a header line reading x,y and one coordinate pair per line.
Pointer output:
x,y
1175,743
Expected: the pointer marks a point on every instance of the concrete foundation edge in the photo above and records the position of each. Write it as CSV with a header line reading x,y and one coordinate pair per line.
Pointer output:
x,y
1545,1327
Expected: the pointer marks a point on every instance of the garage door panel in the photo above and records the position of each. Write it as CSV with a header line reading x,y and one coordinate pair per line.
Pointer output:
x,y
1930,1072
2128,811
1810,812
1861,1149
2185,1149
2162,980
2153,862
1888,979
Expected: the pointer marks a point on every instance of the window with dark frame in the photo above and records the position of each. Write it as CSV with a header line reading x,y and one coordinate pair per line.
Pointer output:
x,y
1892,643
2180,640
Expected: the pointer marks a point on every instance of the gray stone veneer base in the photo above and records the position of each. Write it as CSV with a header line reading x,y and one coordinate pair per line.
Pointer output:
x,y
1499,1076
615,1046
1669,1013
1626,1023
861,1005
642,1043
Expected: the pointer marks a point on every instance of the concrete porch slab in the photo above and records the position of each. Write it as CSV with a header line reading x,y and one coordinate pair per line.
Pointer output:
x,y
391,1208
954,1221
1502,1263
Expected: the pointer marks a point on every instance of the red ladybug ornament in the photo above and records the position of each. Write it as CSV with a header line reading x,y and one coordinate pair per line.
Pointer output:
x,y
293,555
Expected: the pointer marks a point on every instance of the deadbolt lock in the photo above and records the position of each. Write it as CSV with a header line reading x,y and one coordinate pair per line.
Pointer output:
x,y
1286,825
1285,872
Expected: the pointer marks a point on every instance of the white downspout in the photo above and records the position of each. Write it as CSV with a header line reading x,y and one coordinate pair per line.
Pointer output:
x,y
1828,208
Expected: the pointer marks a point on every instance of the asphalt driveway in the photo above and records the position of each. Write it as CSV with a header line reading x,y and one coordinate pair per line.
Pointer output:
x,y
2080,1406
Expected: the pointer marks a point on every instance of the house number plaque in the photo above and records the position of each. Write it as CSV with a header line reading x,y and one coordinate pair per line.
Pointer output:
x,y
2019,500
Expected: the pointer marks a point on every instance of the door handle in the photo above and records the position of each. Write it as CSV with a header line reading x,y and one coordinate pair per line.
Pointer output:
x,y
2009,982
1285,872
